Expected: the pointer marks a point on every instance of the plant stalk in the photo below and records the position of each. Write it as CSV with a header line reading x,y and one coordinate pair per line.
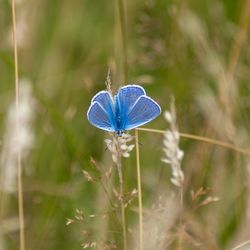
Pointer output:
x,y
139,190
19,156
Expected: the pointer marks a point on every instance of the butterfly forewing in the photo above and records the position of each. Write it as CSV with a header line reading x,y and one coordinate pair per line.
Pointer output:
x,y
144,110
125,100
101,112
128,95
106,100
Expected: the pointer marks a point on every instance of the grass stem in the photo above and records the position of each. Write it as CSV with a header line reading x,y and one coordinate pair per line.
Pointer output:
x,y
123,217
122,15
203,139
241,245
139,190
19,156
181,212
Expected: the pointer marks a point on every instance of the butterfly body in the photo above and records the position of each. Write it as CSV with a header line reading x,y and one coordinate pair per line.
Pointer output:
x,y
128,109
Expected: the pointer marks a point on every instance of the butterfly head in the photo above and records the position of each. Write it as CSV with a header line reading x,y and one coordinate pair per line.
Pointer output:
x,y
119,132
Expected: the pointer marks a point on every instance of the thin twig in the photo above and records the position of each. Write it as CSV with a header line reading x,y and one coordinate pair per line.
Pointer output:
x,y
19,166
204,139
139,190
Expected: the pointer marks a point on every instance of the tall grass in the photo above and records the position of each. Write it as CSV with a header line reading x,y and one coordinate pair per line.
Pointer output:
x,y
19,149
197,52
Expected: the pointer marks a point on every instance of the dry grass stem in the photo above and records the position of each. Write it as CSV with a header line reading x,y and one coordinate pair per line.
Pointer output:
x,y
241,245
123,25
119,148
121,198
19,166
203,139
139,191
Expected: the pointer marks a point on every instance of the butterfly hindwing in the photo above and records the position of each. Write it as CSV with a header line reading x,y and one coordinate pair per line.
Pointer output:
x,y
144,110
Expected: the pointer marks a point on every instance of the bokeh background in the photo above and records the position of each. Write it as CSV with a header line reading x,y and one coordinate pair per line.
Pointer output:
x,y
196,51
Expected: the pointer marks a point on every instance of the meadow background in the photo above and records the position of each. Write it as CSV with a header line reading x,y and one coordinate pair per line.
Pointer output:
x,y
196,51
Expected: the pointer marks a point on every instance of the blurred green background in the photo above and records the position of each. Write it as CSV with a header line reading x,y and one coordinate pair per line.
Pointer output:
x,y
196,51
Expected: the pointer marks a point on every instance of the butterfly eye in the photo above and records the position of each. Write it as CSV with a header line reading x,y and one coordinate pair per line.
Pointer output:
x,y
119,132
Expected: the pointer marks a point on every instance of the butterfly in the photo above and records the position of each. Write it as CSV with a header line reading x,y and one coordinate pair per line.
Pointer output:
x,y
128,109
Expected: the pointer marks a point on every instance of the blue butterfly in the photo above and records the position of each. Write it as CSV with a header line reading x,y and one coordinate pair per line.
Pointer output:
x,y
128,109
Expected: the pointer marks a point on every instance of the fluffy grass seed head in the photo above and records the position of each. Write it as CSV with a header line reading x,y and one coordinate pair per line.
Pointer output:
x,y
173,155
118,146
16,138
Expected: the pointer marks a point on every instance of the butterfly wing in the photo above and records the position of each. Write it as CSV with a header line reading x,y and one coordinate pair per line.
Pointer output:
x,y
129,94
105,99
131,109
125,100
144,110
101,111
